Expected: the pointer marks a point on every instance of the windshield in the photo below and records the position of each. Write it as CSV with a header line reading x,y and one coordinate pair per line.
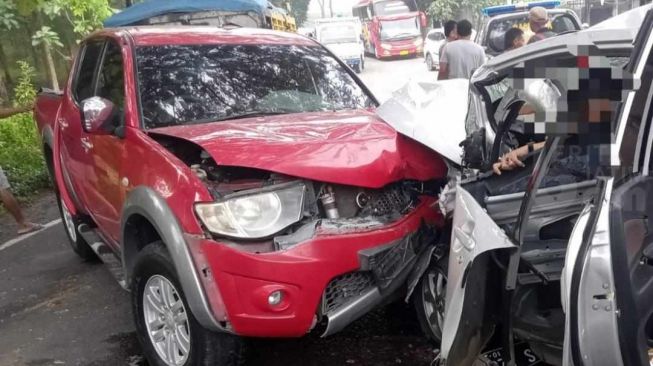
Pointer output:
x,y
391,7
497,28
399,29
189,84
338,33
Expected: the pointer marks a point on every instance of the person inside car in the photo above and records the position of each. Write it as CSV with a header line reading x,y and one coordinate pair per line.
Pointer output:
x,y
514,39
538,18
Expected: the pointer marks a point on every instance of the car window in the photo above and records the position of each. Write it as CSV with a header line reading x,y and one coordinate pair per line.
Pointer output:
x,y
204,83
497,28
110,83
90,55
436,36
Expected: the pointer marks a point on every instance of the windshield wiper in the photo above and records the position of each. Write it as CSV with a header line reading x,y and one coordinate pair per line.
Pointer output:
x,y
250,114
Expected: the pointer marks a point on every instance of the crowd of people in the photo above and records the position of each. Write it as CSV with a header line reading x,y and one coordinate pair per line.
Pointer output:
x,y
460,56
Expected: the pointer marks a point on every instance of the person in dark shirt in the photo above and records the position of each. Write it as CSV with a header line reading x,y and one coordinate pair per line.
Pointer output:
x,y
538,18
514,39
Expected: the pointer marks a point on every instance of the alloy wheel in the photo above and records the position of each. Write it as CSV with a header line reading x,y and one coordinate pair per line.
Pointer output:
x,y
166,320
434,296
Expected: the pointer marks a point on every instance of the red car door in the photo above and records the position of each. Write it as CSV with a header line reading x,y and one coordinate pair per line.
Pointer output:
x,y
73,150
105,191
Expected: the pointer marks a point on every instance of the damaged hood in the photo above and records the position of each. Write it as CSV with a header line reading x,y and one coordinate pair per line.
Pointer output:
x,y
432,113
350,147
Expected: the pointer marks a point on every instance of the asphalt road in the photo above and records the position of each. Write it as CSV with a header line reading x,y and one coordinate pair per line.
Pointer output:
x,y
58,310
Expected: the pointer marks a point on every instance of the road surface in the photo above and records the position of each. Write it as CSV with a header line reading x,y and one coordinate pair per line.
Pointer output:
x,y
58,310
384,77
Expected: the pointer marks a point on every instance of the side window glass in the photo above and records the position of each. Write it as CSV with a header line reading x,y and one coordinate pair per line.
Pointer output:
x,y
633,131
84,82
110,83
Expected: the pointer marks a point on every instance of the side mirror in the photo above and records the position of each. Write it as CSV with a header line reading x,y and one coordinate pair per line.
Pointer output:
x,y
99,116
584,26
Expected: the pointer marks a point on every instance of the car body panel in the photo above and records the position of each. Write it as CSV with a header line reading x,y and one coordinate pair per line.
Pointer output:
x,y
350,147
474,234
412,108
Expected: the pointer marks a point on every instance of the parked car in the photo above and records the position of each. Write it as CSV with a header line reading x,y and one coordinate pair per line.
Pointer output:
x,y
344,37
432,43
497,20
565,296
237,182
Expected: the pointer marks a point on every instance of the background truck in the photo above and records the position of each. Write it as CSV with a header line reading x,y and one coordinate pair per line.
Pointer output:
x,y
391,27
344,37
218,13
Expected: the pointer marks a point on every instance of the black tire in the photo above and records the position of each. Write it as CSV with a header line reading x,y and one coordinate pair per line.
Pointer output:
x,y
430,323
429,62
206,347
362,62
358,69
71,225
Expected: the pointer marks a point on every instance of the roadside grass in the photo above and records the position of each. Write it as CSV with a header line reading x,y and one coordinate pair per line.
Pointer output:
x,y
21,157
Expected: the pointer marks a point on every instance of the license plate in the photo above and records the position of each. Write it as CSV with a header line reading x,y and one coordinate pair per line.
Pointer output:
x,y
524,355
403,53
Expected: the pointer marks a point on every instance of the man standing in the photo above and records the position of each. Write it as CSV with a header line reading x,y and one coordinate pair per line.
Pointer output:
x,y
538,18
450,33
459,59
11,205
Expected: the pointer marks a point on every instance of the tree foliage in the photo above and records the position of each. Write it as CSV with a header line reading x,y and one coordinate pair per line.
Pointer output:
x,y
297,8
8,19
25,92
456,9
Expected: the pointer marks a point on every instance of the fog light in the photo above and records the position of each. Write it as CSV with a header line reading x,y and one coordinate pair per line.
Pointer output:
x,y
275,298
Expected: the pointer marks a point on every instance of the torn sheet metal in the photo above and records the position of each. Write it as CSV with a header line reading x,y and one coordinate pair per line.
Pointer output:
x,y
432,113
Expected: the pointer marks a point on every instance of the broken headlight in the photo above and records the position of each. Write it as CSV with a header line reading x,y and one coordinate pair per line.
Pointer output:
x,y
254,214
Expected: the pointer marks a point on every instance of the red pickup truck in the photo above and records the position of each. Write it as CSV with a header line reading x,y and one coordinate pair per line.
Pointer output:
x,y
239,184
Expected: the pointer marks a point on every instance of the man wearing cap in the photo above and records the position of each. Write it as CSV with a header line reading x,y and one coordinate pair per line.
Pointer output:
x,y
538,19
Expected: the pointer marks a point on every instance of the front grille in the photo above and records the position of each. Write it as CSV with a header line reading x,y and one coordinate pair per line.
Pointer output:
x,y
390,200
343,289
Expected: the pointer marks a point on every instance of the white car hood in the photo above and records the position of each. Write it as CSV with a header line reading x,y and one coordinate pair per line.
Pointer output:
x,y
432,113
346,50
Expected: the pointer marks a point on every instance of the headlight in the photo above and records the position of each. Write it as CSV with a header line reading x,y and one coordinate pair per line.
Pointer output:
x,y
418,42
254,214
386,46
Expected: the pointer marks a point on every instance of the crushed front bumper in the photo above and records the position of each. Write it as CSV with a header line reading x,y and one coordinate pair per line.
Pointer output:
x,y
312,276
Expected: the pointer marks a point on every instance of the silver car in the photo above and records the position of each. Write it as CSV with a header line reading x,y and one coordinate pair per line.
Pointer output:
x,y
560,271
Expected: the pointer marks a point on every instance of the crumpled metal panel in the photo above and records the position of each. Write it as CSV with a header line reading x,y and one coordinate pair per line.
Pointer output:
x,y
350,147
432,113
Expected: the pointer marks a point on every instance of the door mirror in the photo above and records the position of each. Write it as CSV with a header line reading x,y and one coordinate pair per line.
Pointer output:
x,y
584,26
99,115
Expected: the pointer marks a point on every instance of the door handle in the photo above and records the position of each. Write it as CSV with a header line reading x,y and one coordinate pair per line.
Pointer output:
x,y
86,143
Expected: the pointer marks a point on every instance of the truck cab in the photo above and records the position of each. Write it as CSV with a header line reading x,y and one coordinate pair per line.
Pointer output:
x,y
343,37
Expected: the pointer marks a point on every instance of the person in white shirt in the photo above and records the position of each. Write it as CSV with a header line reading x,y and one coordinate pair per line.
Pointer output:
x,y
460,58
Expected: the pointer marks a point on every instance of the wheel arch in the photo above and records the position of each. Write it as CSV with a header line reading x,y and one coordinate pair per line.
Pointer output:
x,y
146,215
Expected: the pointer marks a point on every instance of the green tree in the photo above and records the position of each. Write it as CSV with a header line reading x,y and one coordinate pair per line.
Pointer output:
x,y
7,22
455,9
297,8
49,40
25,92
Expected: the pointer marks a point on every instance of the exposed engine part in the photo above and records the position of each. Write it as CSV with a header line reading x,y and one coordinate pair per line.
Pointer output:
x,y
329,203
362,199
199,172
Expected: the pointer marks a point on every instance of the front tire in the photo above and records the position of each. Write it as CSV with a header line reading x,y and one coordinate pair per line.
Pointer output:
x,y
429,299
429,62
167,330
71,224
